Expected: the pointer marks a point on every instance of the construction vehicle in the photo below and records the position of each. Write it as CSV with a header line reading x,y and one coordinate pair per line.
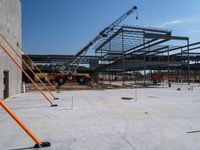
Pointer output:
x,y
69,77
63,76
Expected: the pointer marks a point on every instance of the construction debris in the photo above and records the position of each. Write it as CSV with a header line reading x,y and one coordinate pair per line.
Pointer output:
x,y
127,98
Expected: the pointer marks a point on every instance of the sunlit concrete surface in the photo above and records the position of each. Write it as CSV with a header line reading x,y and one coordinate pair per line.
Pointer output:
x,y
100,120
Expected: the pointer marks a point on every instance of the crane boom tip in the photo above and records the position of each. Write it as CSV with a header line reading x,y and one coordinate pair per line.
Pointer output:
x,y
135,7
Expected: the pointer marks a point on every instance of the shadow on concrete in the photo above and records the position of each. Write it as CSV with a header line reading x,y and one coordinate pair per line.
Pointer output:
x,y
34,107
194,131
22,148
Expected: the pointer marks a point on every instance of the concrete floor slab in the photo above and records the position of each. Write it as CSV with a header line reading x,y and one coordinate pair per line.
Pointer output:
x,y
101,120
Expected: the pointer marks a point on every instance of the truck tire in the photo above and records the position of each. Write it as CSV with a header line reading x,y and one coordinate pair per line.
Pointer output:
x,y
60,80
81,80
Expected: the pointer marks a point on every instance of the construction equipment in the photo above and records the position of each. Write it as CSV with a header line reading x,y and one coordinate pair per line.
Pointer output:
x,y
18,55
20,67
36,67
69,76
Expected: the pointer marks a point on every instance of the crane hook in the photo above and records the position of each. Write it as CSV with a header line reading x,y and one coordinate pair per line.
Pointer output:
x,y
137,15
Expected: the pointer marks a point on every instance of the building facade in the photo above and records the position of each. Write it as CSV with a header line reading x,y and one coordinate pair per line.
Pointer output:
x,y
11,28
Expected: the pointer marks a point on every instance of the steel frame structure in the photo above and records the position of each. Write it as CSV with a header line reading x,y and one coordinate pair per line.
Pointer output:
x,y
132,48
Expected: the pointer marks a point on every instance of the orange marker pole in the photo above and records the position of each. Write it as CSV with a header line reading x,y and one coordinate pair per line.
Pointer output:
x,y
14,50
24,127
4,49
57,91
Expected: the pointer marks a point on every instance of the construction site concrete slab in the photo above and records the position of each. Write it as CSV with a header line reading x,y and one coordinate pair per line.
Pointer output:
x,y
157,118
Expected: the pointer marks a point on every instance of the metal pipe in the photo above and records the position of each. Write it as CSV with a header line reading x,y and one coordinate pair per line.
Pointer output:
x,y
144,59
188,61
19,66
38,144
14,50
19,122
123,58
57,91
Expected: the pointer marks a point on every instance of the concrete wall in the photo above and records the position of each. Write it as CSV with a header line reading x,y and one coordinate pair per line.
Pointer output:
x,y
10,26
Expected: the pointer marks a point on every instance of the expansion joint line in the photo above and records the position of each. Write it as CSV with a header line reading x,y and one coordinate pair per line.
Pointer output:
x,y
122,137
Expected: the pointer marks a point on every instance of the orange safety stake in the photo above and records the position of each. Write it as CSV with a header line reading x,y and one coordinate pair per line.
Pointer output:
x,y
57,91
19,66
38,144
14,50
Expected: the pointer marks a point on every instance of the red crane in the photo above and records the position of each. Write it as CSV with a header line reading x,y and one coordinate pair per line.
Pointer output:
x,y
64,76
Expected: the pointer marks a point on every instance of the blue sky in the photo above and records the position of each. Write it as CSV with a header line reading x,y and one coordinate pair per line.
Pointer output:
x,y
65,26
